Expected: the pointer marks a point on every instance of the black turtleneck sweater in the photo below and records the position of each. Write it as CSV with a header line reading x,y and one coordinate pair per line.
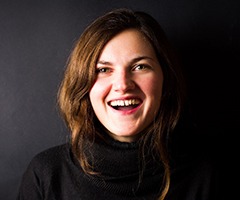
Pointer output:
x,y
55,174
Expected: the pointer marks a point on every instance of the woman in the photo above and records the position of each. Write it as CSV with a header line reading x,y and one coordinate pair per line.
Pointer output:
x,y
123,99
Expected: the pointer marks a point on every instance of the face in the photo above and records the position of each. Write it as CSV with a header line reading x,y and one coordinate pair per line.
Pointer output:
x,y
127,92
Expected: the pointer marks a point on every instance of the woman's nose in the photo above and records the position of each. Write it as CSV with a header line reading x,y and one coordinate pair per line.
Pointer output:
x,y
123,82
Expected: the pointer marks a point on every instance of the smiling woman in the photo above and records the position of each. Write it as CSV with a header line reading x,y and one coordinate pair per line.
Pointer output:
x,y
123,99
127,92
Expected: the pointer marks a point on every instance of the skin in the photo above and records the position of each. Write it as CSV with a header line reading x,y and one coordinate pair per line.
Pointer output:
x,y
128,72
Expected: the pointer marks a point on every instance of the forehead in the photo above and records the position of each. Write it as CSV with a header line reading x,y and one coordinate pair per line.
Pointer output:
x,y
128,43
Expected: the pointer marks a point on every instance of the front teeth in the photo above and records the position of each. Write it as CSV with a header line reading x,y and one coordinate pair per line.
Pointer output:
x,y
125,102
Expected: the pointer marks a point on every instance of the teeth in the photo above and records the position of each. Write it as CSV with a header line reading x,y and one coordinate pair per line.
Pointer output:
x,y
125,102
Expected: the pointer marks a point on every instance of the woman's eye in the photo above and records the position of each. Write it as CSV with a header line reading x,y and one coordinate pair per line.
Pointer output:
x,y
102,70
140,67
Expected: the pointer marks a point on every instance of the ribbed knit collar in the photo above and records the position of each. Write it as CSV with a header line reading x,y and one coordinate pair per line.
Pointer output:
x,y
116,159
120,168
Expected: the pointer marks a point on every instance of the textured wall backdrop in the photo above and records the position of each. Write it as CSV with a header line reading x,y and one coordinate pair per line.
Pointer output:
x,y
36,38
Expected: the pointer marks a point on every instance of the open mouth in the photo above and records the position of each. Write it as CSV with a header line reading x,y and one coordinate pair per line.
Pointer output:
x,y
125,104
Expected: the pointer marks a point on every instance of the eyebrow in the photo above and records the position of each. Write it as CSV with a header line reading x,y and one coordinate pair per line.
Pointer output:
x,y
103,62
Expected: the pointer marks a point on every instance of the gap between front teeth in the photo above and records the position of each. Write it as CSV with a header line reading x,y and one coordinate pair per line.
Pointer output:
x,y
124,102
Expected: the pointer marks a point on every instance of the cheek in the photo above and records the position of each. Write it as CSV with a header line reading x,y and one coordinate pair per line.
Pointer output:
x,y
154,97
98,92
152,87
157,89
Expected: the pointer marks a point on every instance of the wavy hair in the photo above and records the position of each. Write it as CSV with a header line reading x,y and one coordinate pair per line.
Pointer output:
x,y
79,77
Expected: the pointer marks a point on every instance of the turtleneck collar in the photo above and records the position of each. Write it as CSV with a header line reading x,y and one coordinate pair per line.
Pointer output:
x,y
115,159
119,167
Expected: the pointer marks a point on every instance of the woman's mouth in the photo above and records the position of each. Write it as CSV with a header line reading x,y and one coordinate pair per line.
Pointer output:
x,y
127,104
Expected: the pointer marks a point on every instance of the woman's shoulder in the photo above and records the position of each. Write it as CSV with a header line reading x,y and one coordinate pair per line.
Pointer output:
x,y
52,151
44,170
50,158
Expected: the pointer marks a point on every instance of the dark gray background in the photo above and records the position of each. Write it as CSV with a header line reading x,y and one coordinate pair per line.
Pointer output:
x,y
36,38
